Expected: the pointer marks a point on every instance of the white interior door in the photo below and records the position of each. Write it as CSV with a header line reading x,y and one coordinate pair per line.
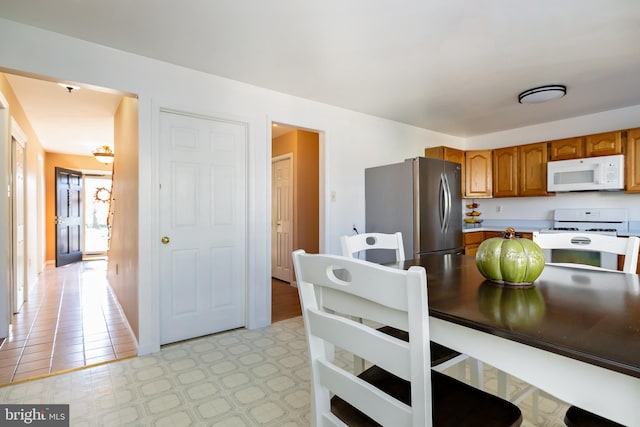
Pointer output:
x,y
281,217
203,221
19,266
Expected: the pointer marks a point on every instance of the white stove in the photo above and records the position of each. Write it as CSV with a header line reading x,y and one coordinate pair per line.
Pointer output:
x,y
604,221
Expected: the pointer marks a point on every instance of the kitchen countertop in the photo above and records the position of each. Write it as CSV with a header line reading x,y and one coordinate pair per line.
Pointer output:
x,y
496,228
523,226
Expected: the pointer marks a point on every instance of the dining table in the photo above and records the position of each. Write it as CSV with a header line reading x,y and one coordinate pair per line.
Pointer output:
x,y
573,333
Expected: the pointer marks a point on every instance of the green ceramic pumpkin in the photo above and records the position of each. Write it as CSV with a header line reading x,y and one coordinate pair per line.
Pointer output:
x,y
512,307
510,260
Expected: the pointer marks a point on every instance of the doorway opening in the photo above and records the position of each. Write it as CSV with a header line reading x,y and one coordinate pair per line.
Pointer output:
x,y
295,204
97,199
66,116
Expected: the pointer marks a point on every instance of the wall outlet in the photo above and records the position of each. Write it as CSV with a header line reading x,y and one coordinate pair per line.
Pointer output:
x,y
498,208
333,195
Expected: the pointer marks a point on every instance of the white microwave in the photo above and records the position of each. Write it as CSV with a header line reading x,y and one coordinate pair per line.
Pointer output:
x,y
588,174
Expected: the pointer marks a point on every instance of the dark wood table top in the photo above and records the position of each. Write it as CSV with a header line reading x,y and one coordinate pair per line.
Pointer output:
x,y
586,315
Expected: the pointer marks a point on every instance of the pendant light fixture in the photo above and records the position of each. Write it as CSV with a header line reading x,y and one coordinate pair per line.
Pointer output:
x,y
104,154
542,94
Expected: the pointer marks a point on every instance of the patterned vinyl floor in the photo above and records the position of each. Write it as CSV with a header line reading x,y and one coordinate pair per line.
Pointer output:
x,y
237,378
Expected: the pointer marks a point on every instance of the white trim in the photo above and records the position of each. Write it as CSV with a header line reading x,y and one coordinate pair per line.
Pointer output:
x,y
18,133
5,246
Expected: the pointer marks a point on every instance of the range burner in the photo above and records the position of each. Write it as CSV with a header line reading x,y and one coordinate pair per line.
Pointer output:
x,y
604,221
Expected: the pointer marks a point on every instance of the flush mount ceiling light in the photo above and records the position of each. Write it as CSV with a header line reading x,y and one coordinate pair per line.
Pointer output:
x,y
69,87
104,154
542,94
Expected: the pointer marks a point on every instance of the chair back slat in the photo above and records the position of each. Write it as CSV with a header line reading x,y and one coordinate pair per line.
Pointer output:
x,y
383,408
376,291
362,279
361,308
627,246
352,245
377,347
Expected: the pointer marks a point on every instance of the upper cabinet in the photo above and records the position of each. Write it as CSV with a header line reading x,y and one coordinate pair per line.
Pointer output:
x,y
505,172
445,153
451,155
568,148
520,170
632,161
478,177
603,144
532,167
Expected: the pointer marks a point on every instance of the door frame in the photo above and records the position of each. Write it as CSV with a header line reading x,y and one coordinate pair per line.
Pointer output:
x,y
20,139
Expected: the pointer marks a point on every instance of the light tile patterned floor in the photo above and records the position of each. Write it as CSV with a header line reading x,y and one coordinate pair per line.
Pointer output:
x,y
238,378
71,320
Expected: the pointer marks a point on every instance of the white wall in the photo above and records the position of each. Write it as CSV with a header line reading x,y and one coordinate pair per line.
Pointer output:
x,y
350,142
541,208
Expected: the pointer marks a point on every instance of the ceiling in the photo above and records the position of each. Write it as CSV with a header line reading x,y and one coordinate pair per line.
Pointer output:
x,y
452,66
76,122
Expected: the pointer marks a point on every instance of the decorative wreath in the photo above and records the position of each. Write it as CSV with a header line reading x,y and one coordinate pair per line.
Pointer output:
x,y
102,194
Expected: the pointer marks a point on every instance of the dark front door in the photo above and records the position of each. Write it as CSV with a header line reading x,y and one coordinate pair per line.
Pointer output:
x,y
68,216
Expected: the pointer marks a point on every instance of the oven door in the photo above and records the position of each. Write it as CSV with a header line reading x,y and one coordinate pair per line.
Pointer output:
x,y
573,256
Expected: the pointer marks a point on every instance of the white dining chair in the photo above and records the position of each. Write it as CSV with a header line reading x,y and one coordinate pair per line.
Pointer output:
x,y
576,417
399,389
442,357
627,246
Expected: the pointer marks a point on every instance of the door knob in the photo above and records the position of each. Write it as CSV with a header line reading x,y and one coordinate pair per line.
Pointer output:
x,y
165,240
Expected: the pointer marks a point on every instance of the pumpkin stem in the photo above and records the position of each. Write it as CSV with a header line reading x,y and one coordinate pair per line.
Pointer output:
x,y
510,233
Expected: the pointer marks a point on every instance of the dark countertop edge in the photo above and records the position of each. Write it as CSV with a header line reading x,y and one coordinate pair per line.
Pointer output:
x,y
626,369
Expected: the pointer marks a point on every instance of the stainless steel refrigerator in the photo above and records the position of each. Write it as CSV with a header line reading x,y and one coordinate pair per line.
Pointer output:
x,y
419,197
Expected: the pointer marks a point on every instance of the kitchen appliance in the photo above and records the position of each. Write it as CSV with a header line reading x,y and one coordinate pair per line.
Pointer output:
x,y
588,174
585,221
419,197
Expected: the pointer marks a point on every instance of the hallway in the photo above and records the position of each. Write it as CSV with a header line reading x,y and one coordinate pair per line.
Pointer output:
x,y
70,321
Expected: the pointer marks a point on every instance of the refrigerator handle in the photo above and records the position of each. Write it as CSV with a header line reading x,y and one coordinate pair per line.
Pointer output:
x,y
441,202
447,204
442,211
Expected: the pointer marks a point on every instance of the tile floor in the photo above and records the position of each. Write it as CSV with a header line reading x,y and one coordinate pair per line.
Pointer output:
x,y
71,320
